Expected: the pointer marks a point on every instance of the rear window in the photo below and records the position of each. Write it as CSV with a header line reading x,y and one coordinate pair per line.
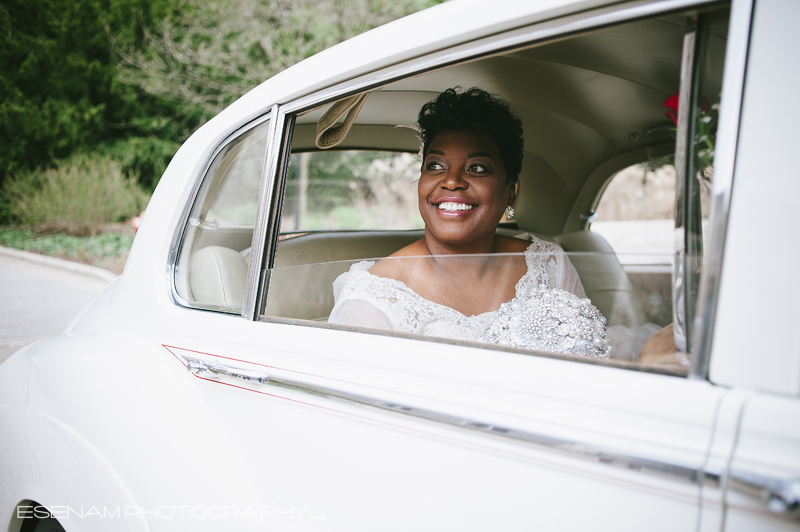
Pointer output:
x,y
351,189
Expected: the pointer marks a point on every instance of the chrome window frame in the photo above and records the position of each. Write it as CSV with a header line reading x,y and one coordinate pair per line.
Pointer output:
x,y
177,240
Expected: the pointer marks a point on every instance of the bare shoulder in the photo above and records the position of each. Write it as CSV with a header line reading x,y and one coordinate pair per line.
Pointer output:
x,y
510,244
396,269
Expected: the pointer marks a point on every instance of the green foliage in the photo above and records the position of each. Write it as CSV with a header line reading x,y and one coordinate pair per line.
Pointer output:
x,y
58,82
110,244
143,156
78,197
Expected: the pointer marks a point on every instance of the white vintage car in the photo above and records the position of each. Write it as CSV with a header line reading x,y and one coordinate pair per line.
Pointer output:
x,y
205,390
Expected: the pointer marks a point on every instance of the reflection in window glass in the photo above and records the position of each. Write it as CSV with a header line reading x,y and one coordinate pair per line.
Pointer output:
x,y
351,190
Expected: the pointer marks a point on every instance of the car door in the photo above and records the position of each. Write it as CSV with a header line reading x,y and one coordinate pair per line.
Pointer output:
x,y
364,429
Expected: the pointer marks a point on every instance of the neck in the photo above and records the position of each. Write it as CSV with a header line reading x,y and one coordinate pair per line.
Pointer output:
x,y
482,245
445,257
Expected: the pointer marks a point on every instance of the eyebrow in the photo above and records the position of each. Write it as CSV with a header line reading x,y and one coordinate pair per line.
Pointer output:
x,y
469,155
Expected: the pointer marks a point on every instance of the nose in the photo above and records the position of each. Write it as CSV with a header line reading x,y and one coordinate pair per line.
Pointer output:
x,y
454,180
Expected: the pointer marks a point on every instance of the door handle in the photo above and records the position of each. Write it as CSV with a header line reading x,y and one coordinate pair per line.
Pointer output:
x,y
197,366
781,495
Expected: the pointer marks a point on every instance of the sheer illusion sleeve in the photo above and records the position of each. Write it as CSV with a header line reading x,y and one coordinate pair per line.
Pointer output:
x,y
358,308
360,313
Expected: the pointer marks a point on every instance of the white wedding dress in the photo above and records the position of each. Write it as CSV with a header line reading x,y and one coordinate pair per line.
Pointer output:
x,y
550,311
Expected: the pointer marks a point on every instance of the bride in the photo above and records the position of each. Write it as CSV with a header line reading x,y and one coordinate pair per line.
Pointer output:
x,y
462,280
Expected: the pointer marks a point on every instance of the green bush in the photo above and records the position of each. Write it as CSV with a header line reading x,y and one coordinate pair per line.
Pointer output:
x,y
78,197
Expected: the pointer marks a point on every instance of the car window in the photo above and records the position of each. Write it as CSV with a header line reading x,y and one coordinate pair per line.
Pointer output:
x,y
213,261
355,201
351,189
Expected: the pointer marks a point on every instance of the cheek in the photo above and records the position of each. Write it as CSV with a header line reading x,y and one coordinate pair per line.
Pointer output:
x,y
498,192
424,188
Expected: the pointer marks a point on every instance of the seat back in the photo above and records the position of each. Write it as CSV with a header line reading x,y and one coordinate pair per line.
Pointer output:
x,y
603,277
217,276
305,267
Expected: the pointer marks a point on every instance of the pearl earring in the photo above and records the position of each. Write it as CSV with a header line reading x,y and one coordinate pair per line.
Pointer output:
x,y
509,212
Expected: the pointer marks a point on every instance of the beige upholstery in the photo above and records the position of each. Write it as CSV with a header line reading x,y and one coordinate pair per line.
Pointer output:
x,y
603,277
300,286
217,276
306,291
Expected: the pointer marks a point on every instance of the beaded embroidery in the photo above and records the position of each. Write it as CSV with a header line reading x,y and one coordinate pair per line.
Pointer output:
x,y
409,312
551,320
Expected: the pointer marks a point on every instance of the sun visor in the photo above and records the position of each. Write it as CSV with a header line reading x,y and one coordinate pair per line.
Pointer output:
x,y
330,131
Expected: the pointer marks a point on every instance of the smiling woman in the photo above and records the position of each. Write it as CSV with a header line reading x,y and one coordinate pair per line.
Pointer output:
x,y
462,280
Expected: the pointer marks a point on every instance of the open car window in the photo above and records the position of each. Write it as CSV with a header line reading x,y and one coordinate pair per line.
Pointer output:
x,y
640,286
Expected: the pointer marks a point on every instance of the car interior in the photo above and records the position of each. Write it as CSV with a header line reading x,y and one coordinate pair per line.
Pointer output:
x,y
591,104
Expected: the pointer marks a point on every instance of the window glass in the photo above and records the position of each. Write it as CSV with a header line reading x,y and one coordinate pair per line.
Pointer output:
x,y
585,302
213,263
351,189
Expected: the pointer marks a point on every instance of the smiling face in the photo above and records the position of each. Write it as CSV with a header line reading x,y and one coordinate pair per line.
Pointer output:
x,y
463,191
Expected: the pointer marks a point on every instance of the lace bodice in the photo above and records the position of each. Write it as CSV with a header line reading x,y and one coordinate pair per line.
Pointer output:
x,y
365,300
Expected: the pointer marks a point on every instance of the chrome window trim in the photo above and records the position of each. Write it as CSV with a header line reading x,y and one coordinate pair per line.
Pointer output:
x,y
271,224
266,195
228,136
724,166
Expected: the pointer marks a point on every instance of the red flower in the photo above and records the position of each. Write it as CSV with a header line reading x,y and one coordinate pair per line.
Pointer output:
x,y
672,104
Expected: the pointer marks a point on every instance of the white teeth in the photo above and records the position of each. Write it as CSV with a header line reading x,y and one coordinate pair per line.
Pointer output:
x,y
452,206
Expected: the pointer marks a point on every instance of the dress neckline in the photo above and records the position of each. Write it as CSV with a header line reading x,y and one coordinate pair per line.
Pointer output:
x,y
403,286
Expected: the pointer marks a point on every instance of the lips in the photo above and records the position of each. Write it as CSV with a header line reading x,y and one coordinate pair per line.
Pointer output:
x,y
452,207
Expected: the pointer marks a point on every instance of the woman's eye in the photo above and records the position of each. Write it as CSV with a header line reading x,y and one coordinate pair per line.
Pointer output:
x,y
476,168
434,165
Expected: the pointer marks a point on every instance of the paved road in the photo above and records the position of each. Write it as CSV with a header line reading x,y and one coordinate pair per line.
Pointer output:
x,y
39,301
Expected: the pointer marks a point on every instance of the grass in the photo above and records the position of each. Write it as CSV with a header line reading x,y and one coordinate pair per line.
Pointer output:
x,y
108,250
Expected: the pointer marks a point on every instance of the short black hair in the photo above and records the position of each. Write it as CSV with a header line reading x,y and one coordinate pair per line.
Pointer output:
x,y
477,110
